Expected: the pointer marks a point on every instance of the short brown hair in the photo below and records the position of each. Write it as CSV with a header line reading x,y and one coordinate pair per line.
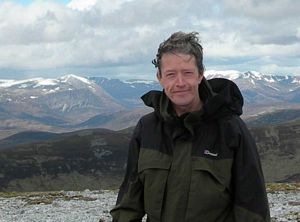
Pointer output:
x,y
180,42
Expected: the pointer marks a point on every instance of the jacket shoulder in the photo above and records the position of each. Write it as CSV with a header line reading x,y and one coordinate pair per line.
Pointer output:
x,y
232,129
148,118
232,122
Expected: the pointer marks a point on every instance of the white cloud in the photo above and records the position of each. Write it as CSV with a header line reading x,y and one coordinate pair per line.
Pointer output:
x,y
107,35
298,32
273,68
264,9
82,5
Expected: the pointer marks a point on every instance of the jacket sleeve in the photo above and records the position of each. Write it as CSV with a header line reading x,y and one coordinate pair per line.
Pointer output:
x,y
250,197
129,206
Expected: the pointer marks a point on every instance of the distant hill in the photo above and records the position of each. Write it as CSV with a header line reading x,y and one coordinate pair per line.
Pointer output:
x,y
127,92
115,121
84,159
275,117
26,137
96,158
278,146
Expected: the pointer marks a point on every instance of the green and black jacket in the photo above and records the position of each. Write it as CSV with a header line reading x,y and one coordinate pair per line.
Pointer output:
x,y
202,166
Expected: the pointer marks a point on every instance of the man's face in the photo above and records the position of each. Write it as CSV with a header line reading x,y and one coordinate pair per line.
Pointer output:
x,y
180,78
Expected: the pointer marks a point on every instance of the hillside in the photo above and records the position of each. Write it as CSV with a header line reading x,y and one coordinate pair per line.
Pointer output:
x,y
273,117
73,161
278,146
96,158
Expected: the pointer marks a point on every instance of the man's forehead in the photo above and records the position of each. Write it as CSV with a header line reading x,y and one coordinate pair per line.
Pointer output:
x,y
183,56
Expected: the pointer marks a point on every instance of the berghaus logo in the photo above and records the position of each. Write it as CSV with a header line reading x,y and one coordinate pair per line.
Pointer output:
x,y
207,152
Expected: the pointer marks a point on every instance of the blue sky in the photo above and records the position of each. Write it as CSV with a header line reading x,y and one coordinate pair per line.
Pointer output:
x,y
27,2
119,38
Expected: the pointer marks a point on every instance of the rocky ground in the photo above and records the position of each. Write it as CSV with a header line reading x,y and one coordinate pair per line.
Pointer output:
x,y
94,206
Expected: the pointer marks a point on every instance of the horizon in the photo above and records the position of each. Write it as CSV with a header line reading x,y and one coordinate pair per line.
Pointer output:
x,y
225,73
50,39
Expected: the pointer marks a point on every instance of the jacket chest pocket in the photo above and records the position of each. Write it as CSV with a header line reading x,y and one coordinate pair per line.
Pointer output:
x,y
210,184
153,170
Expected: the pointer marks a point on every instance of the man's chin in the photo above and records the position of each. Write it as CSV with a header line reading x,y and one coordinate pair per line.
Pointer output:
x,y
180,102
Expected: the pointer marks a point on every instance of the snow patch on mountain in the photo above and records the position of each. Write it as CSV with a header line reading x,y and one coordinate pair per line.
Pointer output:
x,y
41,82
47,82
254,75
272,87
139,81
22,83
228,74
269,79
297,81
71,77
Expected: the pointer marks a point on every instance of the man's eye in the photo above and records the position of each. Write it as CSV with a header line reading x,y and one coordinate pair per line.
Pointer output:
x,y
170,74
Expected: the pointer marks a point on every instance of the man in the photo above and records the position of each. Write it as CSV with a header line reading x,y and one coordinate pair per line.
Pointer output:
x,y
192,159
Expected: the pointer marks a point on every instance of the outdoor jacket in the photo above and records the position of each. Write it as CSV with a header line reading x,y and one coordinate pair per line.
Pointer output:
x,y
201,166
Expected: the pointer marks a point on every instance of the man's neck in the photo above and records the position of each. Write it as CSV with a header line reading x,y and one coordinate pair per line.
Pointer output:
x,y
180,110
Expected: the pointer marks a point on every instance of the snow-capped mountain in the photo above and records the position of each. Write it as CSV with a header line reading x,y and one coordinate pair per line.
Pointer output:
x,y
63,101
252,79
263,92
70,100
127,92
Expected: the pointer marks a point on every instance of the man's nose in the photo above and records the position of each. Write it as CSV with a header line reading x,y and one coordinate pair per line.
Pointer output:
x,y
180,80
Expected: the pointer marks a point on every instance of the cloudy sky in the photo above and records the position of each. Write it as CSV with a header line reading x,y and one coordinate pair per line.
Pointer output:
x,y
119,38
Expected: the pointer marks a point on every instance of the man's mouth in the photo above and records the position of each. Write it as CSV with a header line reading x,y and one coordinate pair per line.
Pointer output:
x,y
180,91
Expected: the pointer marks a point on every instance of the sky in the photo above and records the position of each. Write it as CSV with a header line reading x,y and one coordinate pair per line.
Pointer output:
x,y
119,38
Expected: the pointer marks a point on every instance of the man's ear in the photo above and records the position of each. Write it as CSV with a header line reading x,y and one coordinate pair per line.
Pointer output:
x,y
200,78
158,76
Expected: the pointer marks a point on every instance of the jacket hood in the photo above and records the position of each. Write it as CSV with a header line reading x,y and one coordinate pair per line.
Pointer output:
x,y
220,96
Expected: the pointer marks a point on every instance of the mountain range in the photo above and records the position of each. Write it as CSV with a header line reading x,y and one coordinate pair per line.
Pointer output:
x,y
75,102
